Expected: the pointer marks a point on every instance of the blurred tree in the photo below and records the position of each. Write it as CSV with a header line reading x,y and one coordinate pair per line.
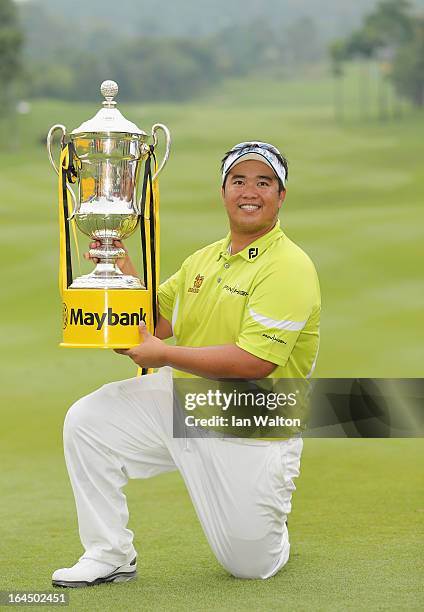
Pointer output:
x,y
245,48
177,71
338,56
390,25
157,69
10,51
51,80
383,33
408,66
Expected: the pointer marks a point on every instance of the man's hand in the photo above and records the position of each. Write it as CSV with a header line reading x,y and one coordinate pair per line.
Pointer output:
x,y
150,353
124,263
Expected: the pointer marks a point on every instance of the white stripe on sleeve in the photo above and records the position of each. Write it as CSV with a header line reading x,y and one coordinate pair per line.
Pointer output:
x,y
175,313
273,323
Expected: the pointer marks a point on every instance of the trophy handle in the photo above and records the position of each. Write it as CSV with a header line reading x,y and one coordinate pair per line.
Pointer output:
x,y
155,128
52,130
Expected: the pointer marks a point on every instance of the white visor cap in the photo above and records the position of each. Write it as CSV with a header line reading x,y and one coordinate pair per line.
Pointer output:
x,y
259,151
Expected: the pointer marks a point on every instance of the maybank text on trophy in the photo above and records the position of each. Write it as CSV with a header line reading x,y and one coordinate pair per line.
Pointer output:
x,y
114,167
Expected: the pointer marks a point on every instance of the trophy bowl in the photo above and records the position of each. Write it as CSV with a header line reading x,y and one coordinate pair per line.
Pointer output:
x,y
108,209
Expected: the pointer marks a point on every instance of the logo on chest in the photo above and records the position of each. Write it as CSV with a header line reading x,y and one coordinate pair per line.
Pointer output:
x,y
253,252
197,283
235,290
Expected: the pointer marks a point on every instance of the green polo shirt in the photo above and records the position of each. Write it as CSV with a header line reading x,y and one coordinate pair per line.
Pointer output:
x,y
265,299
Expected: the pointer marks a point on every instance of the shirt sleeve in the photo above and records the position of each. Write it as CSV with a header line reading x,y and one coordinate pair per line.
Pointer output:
x,y
167,295
276,313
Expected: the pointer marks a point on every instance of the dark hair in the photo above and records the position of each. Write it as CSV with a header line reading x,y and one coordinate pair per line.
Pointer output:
x,y
277,154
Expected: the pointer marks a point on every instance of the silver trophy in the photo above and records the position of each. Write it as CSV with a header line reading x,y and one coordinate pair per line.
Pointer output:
x,y
110,151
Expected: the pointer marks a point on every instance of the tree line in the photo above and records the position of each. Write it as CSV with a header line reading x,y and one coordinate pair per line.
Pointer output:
x,y
68,65
58,62
151,68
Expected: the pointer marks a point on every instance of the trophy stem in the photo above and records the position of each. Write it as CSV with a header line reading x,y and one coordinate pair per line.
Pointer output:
x,y
107,253
106,273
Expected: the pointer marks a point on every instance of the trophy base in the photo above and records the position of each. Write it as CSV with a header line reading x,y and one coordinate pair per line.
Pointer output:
x,y
105,318
107,276
90,281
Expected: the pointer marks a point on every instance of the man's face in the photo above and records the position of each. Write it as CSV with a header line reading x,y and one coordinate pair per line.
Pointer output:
x,y
251,197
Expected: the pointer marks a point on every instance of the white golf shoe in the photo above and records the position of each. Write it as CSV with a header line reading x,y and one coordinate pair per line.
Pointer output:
x,y
88,572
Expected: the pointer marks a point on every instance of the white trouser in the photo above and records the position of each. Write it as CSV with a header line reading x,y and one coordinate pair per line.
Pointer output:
x,y
241,489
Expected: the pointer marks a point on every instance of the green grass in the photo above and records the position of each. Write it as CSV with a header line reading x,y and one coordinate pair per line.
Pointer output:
x,y
356,533
355,205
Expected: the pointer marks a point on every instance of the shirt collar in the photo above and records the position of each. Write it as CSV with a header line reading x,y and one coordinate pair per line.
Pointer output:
x,y
254,249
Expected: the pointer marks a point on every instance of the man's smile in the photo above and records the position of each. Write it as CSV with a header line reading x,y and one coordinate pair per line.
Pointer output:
x,y
250,207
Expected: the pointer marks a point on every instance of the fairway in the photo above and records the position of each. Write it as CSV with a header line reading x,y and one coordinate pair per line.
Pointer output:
x,y
354,204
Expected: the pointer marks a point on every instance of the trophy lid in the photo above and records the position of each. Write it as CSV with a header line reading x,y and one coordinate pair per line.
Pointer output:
x,y
108,118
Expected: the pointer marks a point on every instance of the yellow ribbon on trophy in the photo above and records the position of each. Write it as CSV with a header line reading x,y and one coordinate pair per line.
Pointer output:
x,y
150,231
65,212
